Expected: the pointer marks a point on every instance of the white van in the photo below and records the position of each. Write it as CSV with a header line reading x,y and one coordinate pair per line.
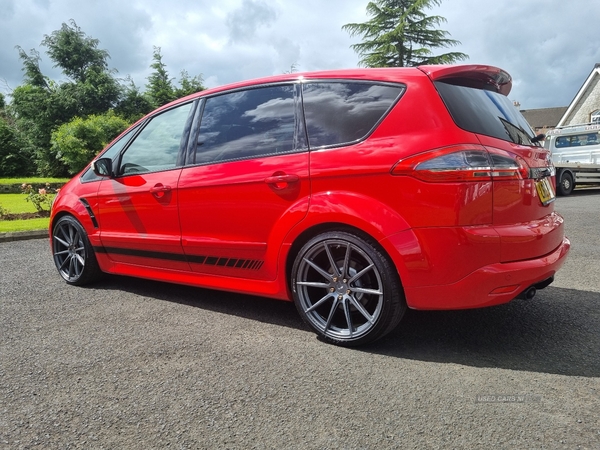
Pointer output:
x,y
576,155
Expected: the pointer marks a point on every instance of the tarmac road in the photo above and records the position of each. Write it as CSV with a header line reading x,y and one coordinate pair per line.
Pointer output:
x,y
135,364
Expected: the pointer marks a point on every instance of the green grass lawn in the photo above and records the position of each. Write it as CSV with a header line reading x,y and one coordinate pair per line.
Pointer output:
x,y
32,180
9,226
16,203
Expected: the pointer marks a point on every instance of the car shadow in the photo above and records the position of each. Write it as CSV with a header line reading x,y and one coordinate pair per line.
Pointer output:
x,y
557,332
261,309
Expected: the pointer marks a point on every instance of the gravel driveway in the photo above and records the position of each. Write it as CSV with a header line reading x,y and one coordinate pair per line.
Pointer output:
x,y
135,364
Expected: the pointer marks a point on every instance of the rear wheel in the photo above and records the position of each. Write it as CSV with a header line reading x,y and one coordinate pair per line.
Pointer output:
x,y
565,184
346,289
73,255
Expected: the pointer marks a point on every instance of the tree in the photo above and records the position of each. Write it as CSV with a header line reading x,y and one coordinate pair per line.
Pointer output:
x,y
41,105
160,89
133,104
31,67
74,52
93,89
14,160
189,85
400,34
76,142
160,86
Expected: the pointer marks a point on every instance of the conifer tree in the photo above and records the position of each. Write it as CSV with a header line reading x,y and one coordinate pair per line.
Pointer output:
x,y
399,34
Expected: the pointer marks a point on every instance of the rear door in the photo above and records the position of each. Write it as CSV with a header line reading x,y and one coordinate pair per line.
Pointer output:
x,y
246,183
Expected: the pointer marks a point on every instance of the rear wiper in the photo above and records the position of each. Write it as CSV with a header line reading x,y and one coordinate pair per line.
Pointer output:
x,y
538,138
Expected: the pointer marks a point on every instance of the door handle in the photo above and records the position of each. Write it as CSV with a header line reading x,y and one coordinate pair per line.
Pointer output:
x,y
281,180
159,190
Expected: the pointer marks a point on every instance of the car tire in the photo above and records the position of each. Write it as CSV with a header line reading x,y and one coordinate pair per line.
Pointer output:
x,y
565,184
73,254
346,289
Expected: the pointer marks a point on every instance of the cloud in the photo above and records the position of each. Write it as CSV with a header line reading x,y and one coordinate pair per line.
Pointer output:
x,y
243,22
548,46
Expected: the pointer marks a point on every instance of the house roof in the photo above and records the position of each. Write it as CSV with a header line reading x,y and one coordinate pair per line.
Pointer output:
x,y
544,117
571,109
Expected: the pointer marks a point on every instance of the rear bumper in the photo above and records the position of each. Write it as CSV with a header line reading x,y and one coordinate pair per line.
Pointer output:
x,y
490,285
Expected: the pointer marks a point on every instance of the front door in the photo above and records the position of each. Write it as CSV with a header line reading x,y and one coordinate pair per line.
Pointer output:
x,y
138,216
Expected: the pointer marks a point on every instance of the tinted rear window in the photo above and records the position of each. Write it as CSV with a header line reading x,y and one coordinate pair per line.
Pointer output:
x,y
485,112
339,113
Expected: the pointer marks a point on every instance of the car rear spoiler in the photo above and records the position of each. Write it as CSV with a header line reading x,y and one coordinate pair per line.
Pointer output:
x,y
478,76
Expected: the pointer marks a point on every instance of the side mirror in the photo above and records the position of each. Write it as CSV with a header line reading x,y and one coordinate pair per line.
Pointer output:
x,y
102,167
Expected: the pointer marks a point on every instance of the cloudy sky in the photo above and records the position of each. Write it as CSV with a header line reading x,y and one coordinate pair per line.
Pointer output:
x,y
548,46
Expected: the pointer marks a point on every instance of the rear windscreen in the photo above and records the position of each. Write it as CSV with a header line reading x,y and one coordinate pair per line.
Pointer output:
x,y
485,112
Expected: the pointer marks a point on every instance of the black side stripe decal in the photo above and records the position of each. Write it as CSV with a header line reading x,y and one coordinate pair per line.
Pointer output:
x,y
234,263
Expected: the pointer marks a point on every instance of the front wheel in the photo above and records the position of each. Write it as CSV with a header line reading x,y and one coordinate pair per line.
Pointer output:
x,y
74,257
346,289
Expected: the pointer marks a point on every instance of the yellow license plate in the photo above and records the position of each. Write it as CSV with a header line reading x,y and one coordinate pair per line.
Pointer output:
x,y
545,191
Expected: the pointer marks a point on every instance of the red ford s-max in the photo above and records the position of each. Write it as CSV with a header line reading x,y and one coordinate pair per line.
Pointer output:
x,y
354,193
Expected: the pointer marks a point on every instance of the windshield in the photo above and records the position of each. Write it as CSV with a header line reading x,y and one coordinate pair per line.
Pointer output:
x,y
485,112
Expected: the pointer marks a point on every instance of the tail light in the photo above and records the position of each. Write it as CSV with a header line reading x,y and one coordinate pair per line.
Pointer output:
x,y
463,163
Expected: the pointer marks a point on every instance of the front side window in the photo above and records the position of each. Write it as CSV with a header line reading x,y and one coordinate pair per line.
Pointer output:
x,y
247,124
157,146
339,113
595,116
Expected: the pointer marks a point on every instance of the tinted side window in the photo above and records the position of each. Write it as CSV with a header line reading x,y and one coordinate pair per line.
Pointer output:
x,y
157,145
247,124
344,112
485,112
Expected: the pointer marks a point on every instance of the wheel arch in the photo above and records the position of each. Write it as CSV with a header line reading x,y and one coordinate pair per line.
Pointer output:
x,y
325,227
364,216
76,207
568,170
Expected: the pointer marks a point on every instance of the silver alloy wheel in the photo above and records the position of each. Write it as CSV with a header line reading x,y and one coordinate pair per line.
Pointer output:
x,y
340,289
69,251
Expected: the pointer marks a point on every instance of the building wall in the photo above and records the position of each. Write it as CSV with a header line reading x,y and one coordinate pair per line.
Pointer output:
x,y
588,103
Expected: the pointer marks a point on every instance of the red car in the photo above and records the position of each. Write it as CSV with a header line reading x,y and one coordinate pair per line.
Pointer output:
x,y
354,193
